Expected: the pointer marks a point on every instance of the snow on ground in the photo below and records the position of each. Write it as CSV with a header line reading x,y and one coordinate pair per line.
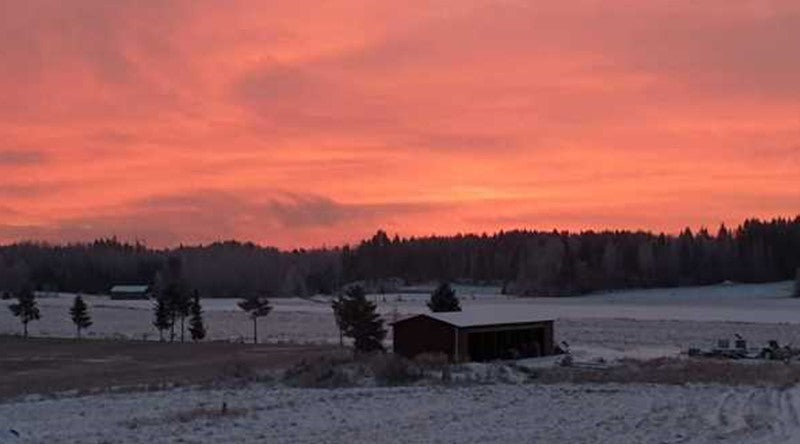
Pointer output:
x,y
293,320
765,303
638,323
501,413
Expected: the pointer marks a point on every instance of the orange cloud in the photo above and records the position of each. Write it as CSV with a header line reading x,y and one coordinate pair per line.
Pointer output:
x,y
298,124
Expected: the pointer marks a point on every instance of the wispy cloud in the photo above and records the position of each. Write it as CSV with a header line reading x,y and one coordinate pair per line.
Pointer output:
x,y
296,123
20,157
204,215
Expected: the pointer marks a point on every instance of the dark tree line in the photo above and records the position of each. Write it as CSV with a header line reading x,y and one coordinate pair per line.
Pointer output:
x,y
523,262
224,269
561,263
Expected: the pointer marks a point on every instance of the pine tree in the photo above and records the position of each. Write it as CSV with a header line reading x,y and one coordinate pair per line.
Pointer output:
x,y
255,307
338,306
361,322
177,303
162,318
25,308
444,299
172,289
196,327
181,306
79,313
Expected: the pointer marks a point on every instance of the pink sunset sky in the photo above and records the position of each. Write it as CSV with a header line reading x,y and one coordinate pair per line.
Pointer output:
x,y
303,123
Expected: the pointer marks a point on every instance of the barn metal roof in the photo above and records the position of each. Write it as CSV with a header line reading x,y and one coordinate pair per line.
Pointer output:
x,y
130,288
485,317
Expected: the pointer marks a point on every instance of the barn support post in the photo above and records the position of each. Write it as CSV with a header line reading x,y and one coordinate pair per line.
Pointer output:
x,y
455,354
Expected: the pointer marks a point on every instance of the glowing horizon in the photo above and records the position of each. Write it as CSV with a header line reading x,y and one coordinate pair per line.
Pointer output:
x,y
296,124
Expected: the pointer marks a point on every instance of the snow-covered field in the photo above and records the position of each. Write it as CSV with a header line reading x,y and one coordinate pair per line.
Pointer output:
x,y
638,323
641,324
501,413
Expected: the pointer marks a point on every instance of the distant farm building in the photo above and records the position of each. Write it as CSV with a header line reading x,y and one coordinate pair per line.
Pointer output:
x,y
474,336
130,292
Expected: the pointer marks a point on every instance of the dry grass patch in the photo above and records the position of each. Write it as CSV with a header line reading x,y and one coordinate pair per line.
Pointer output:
x,y
390,369
333,371
432,361
195,414
346,370
678,371
207,414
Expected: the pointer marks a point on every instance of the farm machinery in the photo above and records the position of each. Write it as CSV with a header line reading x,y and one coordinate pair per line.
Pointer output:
x,y
723,350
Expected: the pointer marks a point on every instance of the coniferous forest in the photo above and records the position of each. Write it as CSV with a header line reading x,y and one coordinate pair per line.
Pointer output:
x,y
526,263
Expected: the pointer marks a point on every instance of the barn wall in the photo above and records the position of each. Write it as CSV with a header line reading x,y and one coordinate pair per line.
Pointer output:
x,y
421,334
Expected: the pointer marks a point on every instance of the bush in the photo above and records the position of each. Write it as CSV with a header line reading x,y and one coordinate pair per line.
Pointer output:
x,y
199,413
237,369
342,370
326,372
432,361
207,414
391,369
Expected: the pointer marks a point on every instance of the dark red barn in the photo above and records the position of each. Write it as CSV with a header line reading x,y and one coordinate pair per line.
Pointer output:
x,y
474,335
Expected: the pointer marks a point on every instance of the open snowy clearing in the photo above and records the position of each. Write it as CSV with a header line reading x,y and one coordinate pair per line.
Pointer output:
x,y
639,323
630,413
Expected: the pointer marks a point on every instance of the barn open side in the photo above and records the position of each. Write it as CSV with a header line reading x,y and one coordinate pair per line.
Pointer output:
x,y
473,336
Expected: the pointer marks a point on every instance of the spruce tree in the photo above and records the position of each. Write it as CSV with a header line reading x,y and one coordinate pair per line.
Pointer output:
x,y
444,299
361,321
196,327
25,308
172,289
181,306
338,306
177,303
162,317
255,307
79,313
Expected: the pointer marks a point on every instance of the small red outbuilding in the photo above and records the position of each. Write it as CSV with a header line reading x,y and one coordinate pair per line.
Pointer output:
x,y
474,335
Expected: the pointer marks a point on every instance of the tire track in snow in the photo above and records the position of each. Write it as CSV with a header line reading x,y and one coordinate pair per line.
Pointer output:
x,y
763,415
